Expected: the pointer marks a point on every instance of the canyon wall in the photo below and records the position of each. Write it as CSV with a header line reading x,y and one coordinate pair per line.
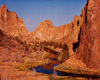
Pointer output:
x,y
89,37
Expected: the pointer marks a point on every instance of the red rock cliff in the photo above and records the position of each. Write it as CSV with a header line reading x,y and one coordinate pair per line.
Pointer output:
x,y
10,22
47,31
89,38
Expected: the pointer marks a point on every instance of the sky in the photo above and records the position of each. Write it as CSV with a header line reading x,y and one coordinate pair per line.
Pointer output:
x,y
33,12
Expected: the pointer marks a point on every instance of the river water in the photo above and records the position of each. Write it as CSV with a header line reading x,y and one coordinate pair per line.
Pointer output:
x,y
48,68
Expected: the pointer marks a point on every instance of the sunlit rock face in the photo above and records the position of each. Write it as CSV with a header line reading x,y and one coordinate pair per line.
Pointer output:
x,y
47,31
10,22
13,25
89,38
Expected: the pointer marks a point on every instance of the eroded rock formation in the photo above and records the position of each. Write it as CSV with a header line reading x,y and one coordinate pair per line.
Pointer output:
x,y
47,31
12,25
10,22
67,33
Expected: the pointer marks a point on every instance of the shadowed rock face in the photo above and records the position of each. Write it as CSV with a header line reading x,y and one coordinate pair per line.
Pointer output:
x,y
89,38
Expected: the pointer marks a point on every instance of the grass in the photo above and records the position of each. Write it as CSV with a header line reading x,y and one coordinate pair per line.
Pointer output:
x,y
46,54
60,56
77,71
62,78
27,65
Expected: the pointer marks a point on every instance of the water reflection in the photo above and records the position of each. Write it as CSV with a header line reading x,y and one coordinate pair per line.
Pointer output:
x,y
48,69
